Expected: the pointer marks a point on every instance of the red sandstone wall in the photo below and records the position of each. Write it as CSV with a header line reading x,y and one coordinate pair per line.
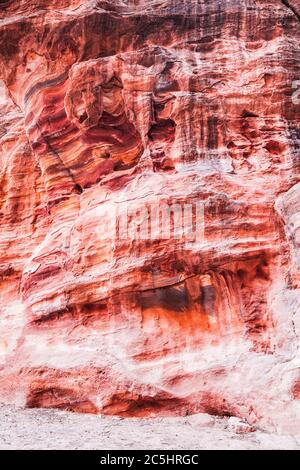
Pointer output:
x,y
135,103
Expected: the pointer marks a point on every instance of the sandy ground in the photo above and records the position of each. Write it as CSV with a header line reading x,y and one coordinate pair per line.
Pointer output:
x,y
52,429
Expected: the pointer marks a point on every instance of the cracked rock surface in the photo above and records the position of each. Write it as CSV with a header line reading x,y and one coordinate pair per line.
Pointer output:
x,y
135,104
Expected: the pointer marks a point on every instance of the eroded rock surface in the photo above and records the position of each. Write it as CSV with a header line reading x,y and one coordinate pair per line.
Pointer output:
x,y
136,104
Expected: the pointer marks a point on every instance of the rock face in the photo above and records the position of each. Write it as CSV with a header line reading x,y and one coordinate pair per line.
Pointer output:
x,y
140,105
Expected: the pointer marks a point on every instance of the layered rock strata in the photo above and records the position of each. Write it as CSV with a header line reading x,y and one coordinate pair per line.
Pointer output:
x,y
124,106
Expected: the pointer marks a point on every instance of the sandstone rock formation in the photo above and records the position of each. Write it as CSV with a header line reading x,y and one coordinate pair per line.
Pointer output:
x,y
135,104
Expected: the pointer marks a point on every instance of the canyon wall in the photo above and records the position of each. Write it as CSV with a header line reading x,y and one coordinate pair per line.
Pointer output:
x,y
138,105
